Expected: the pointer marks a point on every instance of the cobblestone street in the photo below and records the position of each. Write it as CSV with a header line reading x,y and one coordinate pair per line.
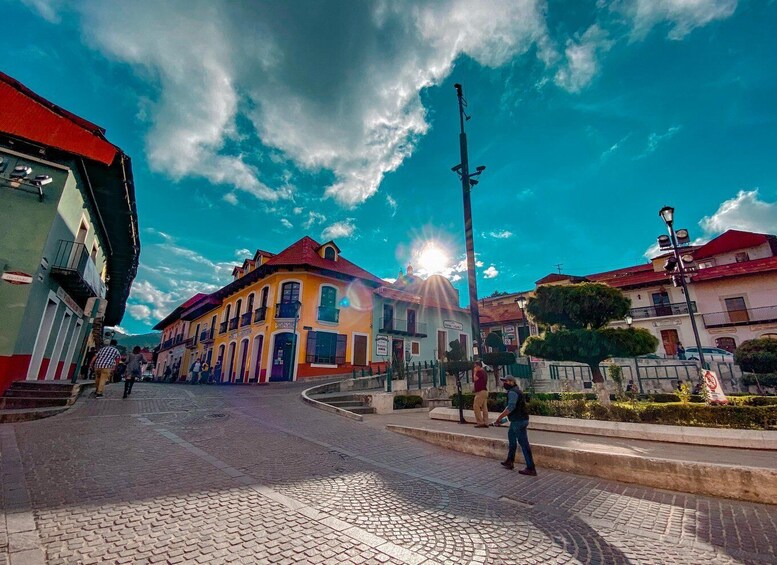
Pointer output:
x,y
183,474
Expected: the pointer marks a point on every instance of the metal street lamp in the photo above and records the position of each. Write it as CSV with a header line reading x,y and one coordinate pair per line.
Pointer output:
x,y
468,180
629,320
677,262
297,306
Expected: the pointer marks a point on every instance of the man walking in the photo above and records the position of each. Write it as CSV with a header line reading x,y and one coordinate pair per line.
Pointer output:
x,y
196,366
480,386
103,363
518,415
134,362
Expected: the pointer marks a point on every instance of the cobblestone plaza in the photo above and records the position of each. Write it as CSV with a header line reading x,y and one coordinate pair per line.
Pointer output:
x,y
181,474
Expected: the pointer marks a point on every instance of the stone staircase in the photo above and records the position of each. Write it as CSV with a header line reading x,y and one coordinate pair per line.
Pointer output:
x,y
31,400
356,403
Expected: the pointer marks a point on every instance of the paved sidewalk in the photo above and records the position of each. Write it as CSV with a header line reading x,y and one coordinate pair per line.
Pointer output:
x,y
419,418
199,474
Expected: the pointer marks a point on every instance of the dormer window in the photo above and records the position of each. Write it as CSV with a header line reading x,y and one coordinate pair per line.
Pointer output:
x,y
330,253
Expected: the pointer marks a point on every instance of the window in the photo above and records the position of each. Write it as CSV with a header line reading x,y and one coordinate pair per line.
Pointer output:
x,y
737,310
742,257
327,309
442,346
411,322
250,307
726,343
463,341
661,303
388,317
329,253
289,292
326,348
415,348
265,290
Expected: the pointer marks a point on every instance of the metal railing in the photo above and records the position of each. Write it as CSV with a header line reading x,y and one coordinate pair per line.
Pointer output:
x,y
223,327
72,258
167,344
260,314
287,309
245,319
328,314
659,310
399,326
764,314
233,323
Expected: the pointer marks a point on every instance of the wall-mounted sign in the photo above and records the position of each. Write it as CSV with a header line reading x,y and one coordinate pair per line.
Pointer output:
x,y
16,277
382,345
452,325
65,297
509,329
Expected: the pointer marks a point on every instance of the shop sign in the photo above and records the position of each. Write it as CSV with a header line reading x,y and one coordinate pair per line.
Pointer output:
x,y
452,325
382,345
510,329
69,302
16,277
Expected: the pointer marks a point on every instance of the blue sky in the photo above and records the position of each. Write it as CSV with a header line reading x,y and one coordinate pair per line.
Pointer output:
x,y
252,125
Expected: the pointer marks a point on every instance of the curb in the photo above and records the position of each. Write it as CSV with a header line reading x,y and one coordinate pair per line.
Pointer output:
x,y
752,484
709,437
327,407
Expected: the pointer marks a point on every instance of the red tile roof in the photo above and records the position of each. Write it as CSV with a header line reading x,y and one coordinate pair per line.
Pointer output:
x,y
638,275
28,116
754,267
731,240
553,277
500,313
304,252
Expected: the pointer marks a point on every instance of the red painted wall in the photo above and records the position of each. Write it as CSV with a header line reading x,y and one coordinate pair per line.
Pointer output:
x,y
13,368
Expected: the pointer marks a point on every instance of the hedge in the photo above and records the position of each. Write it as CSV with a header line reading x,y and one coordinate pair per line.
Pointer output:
x,y
766,379
755,412
407,401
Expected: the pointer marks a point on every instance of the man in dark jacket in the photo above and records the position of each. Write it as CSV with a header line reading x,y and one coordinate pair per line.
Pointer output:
x,y
518,415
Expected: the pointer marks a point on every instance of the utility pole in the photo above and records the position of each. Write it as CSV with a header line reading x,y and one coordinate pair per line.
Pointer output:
x,y
467,182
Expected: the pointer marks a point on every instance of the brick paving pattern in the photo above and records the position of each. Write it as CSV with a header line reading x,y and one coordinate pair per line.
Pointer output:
x,y
186,474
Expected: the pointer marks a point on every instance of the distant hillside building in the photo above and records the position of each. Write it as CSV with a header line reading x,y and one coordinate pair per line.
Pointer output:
x,y
69,240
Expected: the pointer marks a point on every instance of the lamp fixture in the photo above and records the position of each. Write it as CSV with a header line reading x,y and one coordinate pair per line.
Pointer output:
x,y
667,213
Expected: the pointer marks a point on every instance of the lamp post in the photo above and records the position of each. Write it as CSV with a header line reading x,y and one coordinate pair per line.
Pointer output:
x,y
667,214
467,182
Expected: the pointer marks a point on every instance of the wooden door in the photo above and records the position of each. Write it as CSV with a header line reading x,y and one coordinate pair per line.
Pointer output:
x,y
360,350
670,341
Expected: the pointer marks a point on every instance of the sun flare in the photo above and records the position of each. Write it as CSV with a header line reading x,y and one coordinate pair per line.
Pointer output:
x,y
433,259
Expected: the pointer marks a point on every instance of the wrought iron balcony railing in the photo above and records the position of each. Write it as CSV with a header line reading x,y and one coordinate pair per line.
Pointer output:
x,y
245,319
223,327
233,323
74,269
287,309
402,327
762,315
659,310
260,314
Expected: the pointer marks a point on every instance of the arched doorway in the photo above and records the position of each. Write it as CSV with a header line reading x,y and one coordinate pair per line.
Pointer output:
x,y
229,375
256,359
218,369
241,375
282,357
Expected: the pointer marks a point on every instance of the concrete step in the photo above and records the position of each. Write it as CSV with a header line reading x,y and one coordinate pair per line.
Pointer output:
x,y
329,399
66,392
35,402
41,385
8,416
362,410
345,403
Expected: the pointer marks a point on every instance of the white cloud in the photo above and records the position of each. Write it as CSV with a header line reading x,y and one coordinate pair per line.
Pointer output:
x,y
342,229
746,211
501,234
613,148
491,272
340,93
297,211
140,312
683,15
47,9
286,223
392,204
581,64
241,254
314,218
655,139
231,198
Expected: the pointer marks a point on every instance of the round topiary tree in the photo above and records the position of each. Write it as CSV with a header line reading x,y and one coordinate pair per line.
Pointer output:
x,y
757,356
498,356
574,318
457,364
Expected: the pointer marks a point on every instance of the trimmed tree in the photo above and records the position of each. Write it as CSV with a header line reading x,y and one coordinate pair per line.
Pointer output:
x,y
757,355
574,319
457,365
498,356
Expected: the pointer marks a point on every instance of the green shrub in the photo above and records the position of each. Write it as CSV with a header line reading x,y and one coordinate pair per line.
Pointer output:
x,y
496,401
767,380
761,401
757,355
407,401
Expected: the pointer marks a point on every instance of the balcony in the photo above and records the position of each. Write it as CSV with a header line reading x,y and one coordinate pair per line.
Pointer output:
x,y
206,336
189,343
178,340
287,309
223,328
167,344
260,314
328,314
661,310
401,327
245,319
746,317
233,323
76,272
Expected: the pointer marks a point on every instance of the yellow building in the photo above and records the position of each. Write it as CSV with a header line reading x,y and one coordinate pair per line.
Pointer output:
x,y
304,312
